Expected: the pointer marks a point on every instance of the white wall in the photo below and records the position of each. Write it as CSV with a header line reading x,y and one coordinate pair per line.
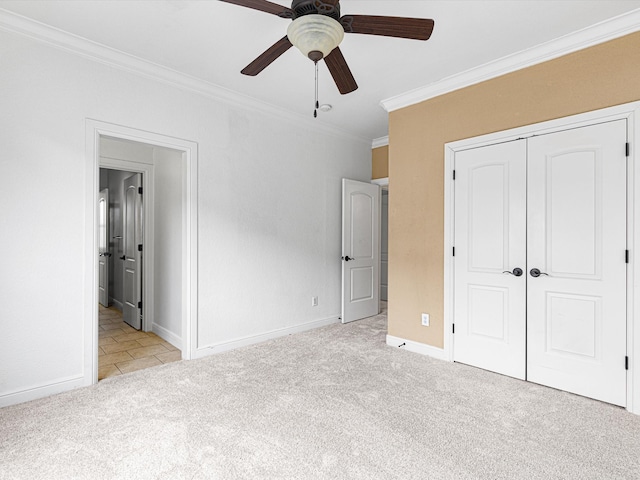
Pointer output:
x,y
269,207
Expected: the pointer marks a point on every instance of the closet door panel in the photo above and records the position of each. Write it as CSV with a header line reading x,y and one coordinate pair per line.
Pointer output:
x,y
490,237
576,305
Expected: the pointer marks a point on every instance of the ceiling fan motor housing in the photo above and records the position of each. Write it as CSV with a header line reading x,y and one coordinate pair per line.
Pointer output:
x,y
309,7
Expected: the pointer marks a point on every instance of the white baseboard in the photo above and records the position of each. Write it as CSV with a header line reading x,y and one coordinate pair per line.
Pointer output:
x,y
116,303
167,335
263,337
40,391
416,347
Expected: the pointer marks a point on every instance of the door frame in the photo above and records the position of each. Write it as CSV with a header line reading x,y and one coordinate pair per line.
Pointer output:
x,y
94,129
630,112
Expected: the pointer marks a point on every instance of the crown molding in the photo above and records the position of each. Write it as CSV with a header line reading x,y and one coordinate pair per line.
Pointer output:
x,y
579,40
57,38
380,142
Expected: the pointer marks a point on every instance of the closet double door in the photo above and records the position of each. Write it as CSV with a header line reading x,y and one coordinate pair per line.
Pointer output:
x,y
540,259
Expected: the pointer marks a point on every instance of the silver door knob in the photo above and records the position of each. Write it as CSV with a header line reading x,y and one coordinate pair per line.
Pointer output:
x,y
516,272
535,273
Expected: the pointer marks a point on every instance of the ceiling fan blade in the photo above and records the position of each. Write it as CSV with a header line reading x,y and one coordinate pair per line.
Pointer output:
x,y
264,6
340,72
268,57
402,27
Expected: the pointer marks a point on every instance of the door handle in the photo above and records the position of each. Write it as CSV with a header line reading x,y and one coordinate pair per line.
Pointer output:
x,y
535,273
347,258
123,257
516,272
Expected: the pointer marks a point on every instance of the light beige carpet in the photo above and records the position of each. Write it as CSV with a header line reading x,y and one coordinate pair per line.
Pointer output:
x,y
334,403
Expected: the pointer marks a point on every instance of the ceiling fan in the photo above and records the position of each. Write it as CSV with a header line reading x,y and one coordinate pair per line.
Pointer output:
x,y
317,30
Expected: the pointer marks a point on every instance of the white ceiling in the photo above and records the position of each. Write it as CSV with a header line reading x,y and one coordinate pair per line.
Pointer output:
x,y
213,41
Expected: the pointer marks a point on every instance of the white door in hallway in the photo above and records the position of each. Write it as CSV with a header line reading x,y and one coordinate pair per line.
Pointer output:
x,y
360,250
490,258
132,235
104,255
577,240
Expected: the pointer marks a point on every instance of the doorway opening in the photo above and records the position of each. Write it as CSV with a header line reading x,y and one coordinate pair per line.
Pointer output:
x,y
384,241
384,244
123,345
142,304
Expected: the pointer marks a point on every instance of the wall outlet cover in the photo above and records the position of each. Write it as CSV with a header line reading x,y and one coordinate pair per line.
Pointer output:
x,y
425,319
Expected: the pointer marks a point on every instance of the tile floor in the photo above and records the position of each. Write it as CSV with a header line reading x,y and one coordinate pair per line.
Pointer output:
x,y
123,349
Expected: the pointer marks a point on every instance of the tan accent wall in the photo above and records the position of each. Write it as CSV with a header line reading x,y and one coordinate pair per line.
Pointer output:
x,y
380,162
594,78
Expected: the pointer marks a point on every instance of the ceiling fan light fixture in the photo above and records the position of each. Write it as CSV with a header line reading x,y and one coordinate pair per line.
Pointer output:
x,y
315,33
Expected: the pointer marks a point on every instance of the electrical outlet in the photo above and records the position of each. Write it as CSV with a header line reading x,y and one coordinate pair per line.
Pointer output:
x,y
314,301
425,319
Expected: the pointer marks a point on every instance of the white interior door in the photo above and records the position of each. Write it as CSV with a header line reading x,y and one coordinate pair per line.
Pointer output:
x,y
490,258
577,239
104,255
360,250
132,245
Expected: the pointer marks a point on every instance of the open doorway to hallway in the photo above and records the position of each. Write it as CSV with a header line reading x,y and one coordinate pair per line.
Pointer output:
x,y
140,256
169,168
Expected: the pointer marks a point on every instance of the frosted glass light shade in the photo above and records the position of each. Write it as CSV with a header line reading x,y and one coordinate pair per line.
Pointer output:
x,y
315,33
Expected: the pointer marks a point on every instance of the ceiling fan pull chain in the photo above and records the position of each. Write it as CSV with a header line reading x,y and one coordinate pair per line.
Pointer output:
x,y
317,104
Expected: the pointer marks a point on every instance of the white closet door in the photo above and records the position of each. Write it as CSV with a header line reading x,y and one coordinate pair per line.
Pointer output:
x,y
490,239
576,313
